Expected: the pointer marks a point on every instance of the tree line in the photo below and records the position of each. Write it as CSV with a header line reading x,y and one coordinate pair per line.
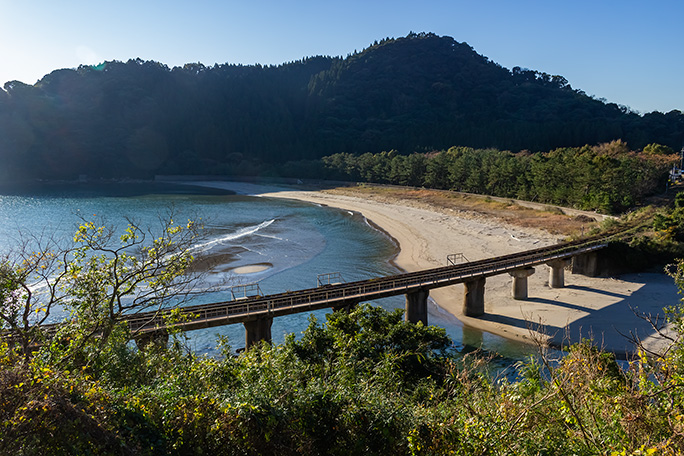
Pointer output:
x,y
607,178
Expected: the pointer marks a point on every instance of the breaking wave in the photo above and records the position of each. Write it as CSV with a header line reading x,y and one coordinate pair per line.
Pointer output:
x,y
242,232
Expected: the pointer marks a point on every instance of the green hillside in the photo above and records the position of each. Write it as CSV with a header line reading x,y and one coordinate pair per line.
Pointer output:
x,y
417,93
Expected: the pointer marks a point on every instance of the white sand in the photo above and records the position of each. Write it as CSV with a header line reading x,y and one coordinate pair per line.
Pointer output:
x,y
597,308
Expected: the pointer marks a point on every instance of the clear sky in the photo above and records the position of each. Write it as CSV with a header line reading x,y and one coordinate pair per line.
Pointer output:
x,y
626,51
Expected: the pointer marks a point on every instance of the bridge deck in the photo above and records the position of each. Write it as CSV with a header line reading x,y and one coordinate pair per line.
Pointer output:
x,y
339,295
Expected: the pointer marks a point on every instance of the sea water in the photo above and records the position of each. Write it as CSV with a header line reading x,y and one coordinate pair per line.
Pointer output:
x,y
293,244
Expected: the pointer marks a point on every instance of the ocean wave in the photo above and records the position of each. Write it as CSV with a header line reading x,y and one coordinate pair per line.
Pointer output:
x,y
242,232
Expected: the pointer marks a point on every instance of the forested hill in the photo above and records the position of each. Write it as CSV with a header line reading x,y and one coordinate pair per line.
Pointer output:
x,y
417,93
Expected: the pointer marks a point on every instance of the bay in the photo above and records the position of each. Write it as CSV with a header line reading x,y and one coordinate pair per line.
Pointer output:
x,y
281,245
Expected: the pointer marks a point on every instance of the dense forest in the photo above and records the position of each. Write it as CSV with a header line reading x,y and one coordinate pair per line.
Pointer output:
x,y
413,94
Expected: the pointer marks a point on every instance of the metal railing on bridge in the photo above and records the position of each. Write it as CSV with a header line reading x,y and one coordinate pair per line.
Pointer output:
x,y
336,294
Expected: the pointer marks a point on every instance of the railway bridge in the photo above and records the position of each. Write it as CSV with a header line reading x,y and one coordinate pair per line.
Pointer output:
x,y
257,312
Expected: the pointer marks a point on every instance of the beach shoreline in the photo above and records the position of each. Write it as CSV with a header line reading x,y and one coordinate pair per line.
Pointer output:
x,y
600,308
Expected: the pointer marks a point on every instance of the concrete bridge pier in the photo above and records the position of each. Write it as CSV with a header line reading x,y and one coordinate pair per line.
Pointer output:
x,y
520,282
557,272
585,264
158,338
257,330
346,307
416,306
473,297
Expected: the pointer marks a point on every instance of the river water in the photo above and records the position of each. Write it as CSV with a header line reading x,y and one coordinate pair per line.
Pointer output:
x,y
291,242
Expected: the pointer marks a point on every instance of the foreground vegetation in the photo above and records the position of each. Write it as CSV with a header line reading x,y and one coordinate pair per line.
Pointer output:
x,y
363,382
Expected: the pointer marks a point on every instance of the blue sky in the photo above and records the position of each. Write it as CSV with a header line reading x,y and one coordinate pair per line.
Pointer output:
x,y
628,52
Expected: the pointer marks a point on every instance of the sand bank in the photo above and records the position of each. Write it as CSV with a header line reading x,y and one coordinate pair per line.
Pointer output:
x,y
604,309
252,268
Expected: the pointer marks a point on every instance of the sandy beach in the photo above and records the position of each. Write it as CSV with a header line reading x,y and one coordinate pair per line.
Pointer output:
x,y
604,309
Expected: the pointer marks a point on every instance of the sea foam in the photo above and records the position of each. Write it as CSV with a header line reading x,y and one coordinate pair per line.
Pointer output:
x,y
242,232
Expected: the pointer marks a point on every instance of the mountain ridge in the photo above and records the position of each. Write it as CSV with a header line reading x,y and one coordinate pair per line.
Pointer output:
x,y
421,92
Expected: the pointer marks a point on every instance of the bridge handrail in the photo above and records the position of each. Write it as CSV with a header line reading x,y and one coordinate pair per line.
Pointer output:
x,y
350,290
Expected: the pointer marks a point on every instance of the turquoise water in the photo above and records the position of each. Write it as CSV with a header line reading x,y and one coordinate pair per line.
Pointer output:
x,y
295,241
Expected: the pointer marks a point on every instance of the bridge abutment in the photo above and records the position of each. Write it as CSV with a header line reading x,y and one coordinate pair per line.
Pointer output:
x,y
257,330
416,306
473,297
520,276
557,272
585,264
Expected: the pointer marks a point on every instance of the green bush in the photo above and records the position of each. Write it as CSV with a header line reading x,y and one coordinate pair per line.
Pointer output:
x,y
364,382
